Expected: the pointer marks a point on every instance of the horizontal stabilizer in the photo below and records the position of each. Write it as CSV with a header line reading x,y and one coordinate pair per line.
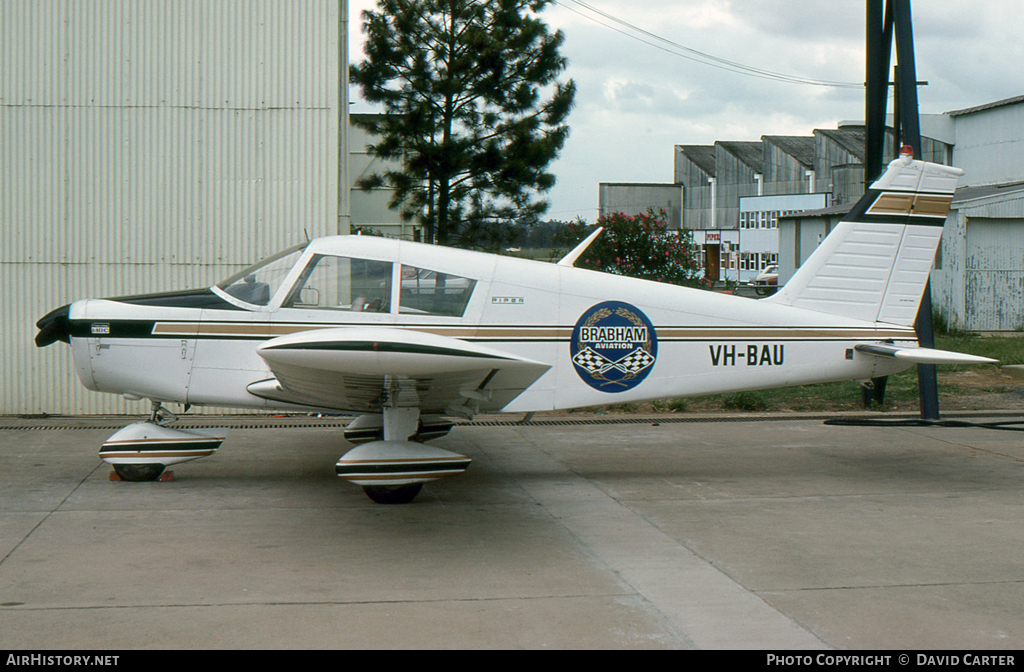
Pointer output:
x,y
923,355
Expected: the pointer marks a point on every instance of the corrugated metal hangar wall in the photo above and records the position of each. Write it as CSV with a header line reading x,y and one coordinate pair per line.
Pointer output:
x,y
152,145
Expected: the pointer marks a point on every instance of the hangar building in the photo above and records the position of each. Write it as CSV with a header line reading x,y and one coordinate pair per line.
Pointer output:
x,y
151,145
978,278
753,204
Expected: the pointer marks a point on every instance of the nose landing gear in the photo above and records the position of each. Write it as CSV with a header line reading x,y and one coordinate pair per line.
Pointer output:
x,y
141,451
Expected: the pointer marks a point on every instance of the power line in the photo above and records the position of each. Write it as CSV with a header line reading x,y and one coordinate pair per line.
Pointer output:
x,y
664,44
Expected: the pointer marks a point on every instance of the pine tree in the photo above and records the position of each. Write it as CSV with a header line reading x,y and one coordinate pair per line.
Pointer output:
x,y
474,112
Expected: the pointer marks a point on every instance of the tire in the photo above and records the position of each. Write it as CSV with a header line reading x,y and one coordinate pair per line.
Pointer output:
x,y
392,494
137,473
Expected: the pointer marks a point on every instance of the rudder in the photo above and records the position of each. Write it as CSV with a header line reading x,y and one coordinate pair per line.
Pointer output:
x,y
875,264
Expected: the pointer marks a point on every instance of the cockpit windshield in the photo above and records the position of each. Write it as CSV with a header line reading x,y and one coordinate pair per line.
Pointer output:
x,y
258,283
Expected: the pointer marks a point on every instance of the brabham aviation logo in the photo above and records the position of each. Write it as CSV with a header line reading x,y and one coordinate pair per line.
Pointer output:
x,y
613,346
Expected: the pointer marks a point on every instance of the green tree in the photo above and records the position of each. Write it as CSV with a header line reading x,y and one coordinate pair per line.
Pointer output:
x,y
639,246
474,112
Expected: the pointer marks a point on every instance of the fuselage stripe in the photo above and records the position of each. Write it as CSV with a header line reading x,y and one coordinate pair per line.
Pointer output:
x,y
506,333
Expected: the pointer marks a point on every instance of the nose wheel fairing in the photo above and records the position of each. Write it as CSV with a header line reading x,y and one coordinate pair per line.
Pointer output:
x,y
141,451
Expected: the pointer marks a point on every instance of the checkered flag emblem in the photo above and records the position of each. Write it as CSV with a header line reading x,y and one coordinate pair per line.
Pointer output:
x,y
596,363
592,361
638,360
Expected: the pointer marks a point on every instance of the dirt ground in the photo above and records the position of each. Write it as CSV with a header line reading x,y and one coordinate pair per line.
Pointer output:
x,y
981,389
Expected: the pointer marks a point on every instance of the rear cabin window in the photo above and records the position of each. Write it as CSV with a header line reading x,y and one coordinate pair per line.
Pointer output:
x,y
342,283
427,292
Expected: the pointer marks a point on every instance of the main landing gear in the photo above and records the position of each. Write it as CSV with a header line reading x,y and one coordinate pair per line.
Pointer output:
x,y
389,464
393,494
141,451
393,470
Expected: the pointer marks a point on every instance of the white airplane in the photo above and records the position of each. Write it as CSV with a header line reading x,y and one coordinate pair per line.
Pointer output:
x,y
407,336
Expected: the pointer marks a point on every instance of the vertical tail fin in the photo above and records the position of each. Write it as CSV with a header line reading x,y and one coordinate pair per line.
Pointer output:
x,y
875,264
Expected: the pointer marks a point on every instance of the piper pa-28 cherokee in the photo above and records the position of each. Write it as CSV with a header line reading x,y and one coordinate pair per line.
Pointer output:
x,y
408,336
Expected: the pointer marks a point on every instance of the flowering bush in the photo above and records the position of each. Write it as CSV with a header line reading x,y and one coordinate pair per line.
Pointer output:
x,y
640,246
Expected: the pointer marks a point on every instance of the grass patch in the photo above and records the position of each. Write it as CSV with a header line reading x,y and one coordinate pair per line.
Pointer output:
x,y
1007,349
956,382
677,405
901,392
746,401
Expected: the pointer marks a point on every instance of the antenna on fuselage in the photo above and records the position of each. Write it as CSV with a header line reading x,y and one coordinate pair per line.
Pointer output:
x,y
570,259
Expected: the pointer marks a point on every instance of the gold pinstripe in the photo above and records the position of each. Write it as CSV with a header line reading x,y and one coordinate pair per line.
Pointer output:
x,y
225,329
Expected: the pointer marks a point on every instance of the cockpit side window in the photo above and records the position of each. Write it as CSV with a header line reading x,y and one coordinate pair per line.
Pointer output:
x,y
258,283
342,283
427,292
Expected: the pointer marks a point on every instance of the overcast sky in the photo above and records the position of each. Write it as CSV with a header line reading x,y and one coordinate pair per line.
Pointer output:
x,y
634,101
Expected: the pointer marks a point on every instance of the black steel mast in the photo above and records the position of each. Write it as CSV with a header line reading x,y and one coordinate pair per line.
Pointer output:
x,y
879,38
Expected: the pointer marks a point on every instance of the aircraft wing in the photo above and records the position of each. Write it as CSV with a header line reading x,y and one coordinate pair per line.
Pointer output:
x,y
363,370
922,355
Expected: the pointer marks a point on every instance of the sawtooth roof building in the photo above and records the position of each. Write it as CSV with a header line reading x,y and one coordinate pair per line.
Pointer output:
x,y
751,205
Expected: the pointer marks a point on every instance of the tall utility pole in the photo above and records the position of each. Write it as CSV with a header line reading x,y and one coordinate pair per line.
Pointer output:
x,y
344,181
884,19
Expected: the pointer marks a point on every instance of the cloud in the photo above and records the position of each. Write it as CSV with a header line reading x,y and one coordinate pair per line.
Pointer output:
x,y
635,101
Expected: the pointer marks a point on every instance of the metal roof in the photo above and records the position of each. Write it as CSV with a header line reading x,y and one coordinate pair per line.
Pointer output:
x,y
750,153
800,147
831,210
986,106
850,138
984,191
702,156
961,195
639,184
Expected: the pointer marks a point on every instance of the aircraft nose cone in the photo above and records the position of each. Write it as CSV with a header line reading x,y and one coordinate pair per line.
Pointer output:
x,y
53,327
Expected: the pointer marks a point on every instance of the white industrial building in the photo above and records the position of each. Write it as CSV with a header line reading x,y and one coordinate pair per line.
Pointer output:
x,y
978,278
751,204
153,145
978,281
